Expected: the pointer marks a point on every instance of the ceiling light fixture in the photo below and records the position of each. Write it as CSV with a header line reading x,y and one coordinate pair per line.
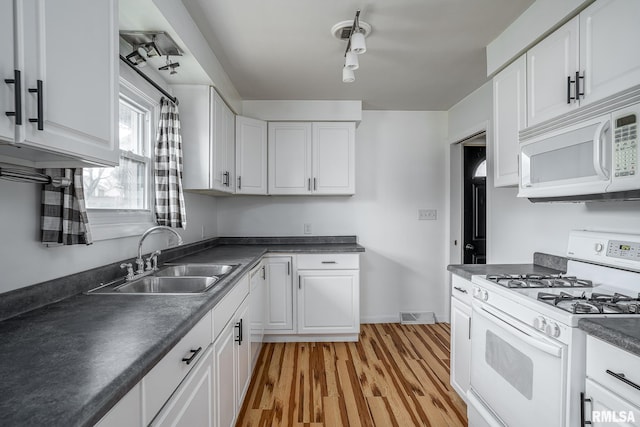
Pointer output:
x,y
354,32
171,66
137,59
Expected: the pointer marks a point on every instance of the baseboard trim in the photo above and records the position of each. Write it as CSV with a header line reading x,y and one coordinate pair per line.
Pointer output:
x,y
311,338
389,318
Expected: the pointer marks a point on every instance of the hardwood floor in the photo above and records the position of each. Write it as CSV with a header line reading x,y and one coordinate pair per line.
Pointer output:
x,y
396,375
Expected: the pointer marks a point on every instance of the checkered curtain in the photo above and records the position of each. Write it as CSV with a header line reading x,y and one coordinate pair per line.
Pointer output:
x,y
170,209
64,214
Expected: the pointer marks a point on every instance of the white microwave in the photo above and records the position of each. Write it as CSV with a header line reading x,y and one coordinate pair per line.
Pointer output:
x,y
595,159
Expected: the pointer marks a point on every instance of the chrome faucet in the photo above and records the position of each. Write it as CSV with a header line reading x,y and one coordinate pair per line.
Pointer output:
x,y
157,228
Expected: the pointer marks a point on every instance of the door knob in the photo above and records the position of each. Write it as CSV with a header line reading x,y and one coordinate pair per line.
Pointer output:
x,y
469,247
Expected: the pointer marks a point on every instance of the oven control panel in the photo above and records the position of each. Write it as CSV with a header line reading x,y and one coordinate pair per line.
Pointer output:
x,y
623,250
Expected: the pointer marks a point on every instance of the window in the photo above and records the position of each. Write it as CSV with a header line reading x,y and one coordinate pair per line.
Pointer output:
x,y
481,170
120,199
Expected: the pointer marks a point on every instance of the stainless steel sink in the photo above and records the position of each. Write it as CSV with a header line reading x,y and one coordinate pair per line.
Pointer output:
x,y
206,270
167,285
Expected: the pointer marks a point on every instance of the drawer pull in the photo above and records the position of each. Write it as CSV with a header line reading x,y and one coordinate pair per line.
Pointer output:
x,y
583,401
188,360
329,262
464,291
623,379
239,337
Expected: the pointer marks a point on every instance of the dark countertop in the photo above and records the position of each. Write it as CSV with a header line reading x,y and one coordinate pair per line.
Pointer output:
x,y
68,363
621,332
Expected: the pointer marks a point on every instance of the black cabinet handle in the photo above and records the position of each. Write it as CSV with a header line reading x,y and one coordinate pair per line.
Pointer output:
x,y
17,96
315,184
299,282
309,184
288,268
623,379
569,82
329,262
239,337
583,400
264,273
464,291
578,92
40,119
239,183
188,360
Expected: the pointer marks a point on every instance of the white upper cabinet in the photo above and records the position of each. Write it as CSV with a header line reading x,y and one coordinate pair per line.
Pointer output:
x,y
69,82
509,117
551,67
587,59
289,158
609,58
251,156
312,158
7,72
334,151
208,139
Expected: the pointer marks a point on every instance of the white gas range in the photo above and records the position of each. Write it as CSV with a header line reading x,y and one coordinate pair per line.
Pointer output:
x,y
527,353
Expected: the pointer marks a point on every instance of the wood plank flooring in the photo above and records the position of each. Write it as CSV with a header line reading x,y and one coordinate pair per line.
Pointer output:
x,y
396,375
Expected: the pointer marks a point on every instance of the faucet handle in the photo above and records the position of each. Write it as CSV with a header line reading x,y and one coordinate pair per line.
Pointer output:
x,y
152,261
129,268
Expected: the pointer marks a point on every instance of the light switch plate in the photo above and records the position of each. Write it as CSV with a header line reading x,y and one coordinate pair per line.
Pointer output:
x,y
307,228
427,214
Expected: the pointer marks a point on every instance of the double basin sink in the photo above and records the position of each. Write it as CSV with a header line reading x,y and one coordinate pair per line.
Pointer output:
x,y
171,279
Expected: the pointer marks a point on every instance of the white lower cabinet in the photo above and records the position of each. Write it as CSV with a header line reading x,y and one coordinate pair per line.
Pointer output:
x,y
328,301
257,305
224,384
323,301
612,389
127,412
279,287
460,335
191,403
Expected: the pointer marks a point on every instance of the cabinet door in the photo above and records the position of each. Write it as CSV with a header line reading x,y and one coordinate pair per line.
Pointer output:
x,y
289,158
328,301
334,158
257,308
71,47
509,117
549,64
218,143
251,156
7,67
460,346
191,404
243,351
608,409
608,52
224,377
279,314
230,148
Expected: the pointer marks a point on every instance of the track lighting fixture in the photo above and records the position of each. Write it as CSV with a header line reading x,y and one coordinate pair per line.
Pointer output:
x,y
354,32
137,59
171,66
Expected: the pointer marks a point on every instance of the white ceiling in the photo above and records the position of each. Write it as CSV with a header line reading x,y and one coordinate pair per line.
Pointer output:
x,y
421,54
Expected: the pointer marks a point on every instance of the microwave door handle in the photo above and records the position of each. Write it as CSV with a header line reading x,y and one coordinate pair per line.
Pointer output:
x,y
598,152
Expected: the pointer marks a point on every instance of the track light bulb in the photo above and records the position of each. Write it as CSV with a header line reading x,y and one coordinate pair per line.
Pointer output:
x,y
351,61
348,76
358,44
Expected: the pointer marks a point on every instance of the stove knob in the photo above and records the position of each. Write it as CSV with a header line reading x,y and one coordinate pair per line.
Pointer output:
x,y
552,330
540,323
599,247
485,295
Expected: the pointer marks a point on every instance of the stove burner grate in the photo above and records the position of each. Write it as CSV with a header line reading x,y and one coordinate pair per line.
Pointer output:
x,y
596,303
538,281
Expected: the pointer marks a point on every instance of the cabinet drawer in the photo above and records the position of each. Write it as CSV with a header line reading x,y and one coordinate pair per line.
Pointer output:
x,y
603,404
329,261
163,379
461,289
603,357
224,310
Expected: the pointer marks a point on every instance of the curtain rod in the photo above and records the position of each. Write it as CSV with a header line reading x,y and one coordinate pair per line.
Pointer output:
x,y
148,79
21,175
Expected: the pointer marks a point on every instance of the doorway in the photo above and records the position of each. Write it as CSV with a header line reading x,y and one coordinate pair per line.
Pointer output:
x,y
474,189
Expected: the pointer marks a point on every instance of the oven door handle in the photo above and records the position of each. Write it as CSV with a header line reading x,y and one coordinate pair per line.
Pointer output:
x,y
523,335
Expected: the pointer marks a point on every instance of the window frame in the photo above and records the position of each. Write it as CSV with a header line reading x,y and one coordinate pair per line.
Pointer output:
x,y
115,223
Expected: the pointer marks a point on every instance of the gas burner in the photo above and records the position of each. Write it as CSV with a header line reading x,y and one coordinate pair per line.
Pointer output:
x,y
538,281
596,303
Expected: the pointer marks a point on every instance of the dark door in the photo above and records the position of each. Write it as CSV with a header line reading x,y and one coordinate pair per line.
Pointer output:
x,y
475,209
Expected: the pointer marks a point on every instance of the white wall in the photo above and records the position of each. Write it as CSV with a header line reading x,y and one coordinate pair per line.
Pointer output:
x,y
516,227
400,167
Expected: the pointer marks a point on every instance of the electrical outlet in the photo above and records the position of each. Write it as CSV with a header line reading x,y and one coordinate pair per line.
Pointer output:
x,y
427,214
307,228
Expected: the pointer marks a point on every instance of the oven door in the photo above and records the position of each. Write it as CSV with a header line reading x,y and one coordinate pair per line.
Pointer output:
x,y
519,373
